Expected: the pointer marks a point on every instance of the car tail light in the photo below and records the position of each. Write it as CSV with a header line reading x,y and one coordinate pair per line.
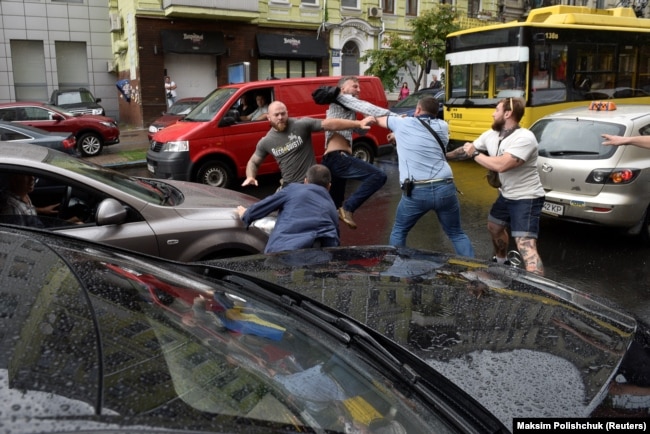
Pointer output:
x,y
613,176
69,143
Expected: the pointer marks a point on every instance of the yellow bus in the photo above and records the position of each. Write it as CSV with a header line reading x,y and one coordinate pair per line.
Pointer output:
x,y
560,57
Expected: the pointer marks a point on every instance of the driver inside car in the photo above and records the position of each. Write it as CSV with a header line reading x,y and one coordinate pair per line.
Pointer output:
x,y
16,205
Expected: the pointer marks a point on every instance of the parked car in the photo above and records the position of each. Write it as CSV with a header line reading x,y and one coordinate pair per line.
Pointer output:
x,y
523,346
588,182
92,132
407,105
77,101
100,339
14,132
176,112
171,219
212,145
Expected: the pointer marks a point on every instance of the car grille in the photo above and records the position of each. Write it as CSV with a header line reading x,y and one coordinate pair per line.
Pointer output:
x,y
156,146
80,111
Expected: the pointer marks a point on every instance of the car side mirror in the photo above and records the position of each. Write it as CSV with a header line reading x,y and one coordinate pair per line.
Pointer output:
x,y
57,117
98,100
110,212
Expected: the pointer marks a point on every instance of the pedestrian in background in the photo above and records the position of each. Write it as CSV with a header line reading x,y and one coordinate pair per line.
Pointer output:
x,y
404,91
511,151
307,216
170,91
435,83
428,179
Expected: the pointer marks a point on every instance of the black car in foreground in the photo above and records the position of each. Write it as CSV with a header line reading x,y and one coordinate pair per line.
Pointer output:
x,y
522,345
98,339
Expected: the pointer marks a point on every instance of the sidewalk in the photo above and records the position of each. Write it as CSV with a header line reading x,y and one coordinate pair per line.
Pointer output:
x,y
113,155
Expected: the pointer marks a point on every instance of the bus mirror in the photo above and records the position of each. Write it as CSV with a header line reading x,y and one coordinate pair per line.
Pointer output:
x,y
428,66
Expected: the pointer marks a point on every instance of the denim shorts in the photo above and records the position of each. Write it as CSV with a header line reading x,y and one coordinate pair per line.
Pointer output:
x,y
521,215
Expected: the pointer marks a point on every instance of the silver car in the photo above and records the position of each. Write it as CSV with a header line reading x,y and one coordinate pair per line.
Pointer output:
x,y
176,220
588,182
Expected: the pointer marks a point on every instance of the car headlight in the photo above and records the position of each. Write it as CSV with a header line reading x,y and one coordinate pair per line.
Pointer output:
x,y
178,146
97,111
108,124
153,129
265,224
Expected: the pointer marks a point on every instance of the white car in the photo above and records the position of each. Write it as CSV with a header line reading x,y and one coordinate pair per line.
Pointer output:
x,y
176,220
588,182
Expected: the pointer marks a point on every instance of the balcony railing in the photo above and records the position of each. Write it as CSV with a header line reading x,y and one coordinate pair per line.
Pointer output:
x,y
231,5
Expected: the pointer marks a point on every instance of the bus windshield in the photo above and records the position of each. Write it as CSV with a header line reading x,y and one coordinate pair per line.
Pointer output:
x,y
552,65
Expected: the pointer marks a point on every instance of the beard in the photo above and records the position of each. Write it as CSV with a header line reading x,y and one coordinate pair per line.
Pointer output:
x,y
279,126
498,125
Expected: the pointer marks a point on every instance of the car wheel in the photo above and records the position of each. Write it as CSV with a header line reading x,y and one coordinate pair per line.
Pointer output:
x,y
363,152
216,174
90,144
645,228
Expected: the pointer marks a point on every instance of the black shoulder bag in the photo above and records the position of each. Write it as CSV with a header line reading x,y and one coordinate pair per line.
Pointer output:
x,y
437,137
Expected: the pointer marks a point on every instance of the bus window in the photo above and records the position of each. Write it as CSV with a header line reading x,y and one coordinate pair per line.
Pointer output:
x,y
579,55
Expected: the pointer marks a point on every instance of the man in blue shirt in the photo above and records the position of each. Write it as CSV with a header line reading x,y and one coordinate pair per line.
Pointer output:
x,y
307,216
428,180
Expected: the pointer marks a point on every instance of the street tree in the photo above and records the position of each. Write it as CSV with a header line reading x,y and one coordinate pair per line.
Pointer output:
x,y
427,43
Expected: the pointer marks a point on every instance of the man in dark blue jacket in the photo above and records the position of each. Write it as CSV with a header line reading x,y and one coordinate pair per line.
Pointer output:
x,y
307,216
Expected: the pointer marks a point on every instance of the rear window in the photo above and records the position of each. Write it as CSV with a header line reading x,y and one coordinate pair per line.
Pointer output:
x,y
578,139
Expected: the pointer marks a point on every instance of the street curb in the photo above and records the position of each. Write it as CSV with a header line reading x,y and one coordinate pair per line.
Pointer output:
x,y
126,165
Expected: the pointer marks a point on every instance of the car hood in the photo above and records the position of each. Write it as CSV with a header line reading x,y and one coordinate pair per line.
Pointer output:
x,y
97,118
505,336
167,119
198,196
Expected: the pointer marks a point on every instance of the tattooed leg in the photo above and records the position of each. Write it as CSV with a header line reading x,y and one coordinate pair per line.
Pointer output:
x,y
500,239
528,249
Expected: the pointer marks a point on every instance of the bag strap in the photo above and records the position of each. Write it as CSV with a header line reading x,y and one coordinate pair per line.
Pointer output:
x,y
437,137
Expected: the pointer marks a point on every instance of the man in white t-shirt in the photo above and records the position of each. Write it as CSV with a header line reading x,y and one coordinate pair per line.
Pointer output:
x,y
511,151
170,91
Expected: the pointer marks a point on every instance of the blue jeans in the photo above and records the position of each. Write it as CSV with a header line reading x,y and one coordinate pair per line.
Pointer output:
x,y
345,166
521,215
441,198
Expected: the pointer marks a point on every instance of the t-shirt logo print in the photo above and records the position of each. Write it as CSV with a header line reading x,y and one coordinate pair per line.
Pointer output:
x,y
293,143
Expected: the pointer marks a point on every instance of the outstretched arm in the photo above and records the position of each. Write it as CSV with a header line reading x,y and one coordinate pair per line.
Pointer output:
x,y
360,106
335,124
640,141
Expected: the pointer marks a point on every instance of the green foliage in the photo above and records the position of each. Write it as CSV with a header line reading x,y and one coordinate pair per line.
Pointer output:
x,y
427,41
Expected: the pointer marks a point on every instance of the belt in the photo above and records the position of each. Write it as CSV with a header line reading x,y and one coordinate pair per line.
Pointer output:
x,y
433,181
344,153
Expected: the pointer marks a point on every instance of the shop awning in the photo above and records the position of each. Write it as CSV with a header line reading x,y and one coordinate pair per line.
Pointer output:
x,y
193,42
291,46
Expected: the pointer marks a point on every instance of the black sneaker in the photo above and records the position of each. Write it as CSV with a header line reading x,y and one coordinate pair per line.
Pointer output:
x,y
494,259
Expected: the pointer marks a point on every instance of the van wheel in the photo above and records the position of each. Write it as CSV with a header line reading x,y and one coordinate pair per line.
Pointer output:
x,y
216,174
363,152
90,144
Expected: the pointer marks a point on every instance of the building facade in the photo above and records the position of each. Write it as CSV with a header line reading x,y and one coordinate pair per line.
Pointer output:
x,y
122,49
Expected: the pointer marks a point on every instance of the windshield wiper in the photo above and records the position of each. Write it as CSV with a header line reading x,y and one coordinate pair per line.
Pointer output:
x,y
564,152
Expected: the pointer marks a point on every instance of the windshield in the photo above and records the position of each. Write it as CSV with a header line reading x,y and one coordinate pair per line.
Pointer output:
x,y
134,186
171,350
209,107
575,138
484,84
182,107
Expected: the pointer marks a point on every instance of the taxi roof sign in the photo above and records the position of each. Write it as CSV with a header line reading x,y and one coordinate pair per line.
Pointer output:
x,y
602,106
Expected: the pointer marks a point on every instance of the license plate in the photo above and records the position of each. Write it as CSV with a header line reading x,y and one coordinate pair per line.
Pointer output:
x,y
553,208
150,168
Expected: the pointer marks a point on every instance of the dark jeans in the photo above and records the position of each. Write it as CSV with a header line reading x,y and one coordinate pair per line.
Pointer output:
x,y
343,166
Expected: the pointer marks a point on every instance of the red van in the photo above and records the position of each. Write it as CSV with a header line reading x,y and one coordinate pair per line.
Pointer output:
x,y
211,145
